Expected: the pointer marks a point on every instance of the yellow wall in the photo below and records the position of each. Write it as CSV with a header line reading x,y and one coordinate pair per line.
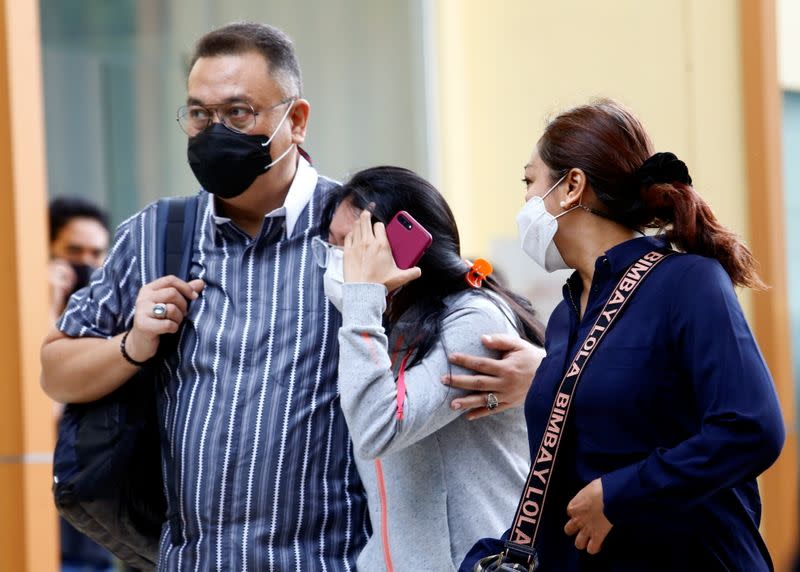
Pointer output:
x,y
505,66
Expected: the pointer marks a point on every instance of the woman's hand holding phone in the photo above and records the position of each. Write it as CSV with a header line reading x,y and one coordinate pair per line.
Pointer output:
x,y
368,256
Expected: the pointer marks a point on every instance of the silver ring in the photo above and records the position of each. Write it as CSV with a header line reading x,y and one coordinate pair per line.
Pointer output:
x,y
491,401
159,310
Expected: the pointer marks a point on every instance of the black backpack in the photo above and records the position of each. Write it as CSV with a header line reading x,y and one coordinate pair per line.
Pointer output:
x,y
107,473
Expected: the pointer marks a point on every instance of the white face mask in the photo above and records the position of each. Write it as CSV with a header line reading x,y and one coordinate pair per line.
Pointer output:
x,y
333,279
537,227
331,258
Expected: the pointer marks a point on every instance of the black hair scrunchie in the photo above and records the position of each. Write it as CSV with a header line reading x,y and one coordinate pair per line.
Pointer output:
x,y
663,168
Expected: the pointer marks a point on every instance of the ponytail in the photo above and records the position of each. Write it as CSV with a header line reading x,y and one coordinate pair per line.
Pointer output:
x,y
642,190
672,205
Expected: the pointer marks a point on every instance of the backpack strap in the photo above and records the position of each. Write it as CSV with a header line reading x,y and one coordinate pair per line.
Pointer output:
x,y
175,222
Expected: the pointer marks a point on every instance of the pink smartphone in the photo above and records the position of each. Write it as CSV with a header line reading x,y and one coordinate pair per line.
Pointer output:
x,y
408,239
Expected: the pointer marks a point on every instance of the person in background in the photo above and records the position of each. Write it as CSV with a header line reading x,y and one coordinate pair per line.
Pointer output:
x,y
676,414
434,480
79,237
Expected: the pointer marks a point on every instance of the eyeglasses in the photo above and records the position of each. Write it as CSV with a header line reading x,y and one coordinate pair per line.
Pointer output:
x,y
237,116
321,251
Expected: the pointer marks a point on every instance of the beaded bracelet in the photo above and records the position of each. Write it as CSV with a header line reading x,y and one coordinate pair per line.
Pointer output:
x,y
128,358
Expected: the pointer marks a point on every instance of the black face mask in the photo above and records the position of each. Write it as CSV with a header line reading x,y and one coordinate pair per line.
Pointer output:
x,y
83,273
226,162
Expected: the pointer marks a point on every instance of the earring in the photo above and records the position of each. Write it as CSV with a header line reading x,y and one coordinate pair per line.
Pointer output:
x,y
563,203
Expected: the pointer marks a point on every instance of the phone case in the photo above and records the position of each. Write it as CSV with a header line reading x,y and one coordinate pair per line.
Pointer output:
x,y
408,239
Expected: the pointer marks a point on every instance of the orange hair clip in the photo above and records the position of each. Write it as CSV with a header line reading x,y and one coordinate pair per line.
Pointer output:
x,y
478,272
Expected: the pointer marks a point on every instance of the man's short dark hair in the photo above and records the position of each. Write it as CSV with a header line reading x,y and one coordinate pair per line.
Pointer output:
x,y
64,209
272,43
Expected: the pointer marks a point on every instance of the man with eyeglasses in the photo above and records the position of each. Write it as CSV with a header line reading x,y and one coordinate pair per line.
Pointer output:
x,y
263,462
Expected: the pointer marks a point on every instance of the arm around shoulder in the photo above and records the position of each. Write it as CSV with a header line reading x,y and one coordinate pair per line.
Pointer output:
x,y
368,386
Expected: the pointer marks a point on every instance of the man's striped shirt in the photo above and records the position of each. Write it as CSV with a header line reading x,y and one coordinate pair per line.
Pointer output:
x,y
259,451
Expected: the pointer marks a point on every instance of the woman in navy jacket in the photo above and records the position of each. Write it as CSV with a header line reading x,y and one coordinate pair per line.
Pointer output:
x,y
676,414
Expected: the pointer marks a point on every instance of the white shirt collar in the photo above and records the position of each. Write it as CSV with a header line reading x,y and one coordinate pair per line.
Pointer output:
x,y
300,192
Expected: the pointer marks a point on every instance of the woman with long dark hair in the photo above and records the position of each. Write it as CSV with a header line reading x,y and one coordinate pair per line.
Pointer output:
x,y
434,480
674,413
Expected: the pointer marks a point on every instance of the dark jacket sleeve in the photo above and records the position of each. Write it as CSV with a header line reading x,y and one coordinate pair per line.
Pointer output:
x,y
741,432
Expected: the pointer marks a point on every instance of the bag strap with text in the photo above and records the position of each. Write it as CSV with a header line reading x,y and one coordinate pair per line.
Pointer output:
x,y
531,505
